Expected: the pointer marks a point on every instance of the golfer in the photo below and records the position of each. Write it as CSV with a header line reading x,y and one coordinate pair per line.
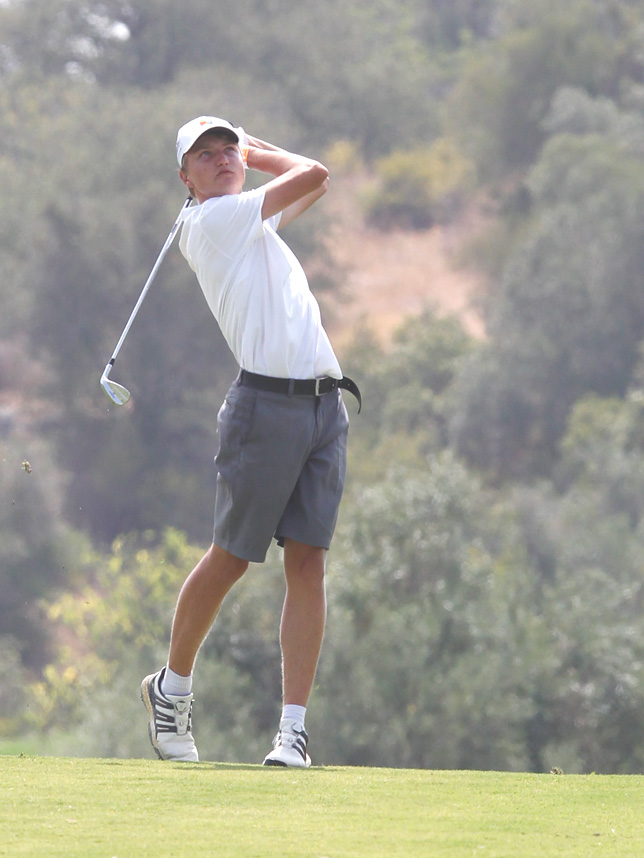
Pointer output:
x,y
282,427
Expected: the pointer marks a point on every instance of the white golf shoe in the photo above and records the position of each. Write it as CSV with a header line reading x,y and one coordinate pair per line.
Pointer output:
x,y
170,722
289,747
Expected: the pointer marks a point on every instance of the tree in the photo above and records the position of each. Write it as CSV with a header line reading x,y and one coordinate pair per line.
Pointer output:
x,y
43,38
419,666
115,628
418,188
453,22
569,315
406,390
588,537
501,97
37,548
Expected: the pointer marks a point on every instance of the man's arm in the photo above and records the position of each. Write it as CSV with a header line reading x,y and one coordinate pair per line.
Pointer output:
x,y
298,181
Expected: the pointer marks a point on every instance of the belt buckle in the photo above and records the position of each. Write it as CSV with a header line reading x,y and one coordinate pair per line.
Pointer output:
x,y
316,390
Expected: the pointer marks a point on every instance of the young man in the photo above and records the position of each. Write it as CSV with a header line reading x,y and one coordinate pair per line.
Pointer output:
x,y
282,427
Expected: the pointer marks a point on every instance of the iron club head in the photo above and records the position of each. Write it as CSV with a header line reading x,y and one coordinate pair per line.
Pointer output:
x,y
116,392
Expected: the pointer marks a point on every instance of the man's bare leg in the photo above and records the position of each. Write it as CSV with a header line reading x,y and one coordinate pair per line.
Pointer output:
x,y
303,619
301,633
170,708
199,602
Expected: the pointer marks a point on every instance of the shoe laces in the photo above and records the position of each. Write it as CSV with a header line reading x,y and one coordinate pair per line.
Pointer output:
x,y
173,715
182,715
289,736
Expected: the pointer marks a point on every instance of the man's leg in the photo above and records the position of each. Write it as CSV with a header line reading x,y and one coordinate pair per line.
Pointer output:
x,y
199,602
169,704
303,619
301,633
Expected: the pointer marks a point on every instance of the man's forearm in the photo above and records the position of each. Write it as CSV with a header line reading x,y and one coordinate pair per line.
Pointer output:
x,y
270,159
297,181
256,143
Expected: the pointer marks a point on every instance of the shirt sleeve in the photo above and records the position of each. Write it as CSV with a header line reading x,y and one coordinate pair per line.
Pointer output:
x,y
233,222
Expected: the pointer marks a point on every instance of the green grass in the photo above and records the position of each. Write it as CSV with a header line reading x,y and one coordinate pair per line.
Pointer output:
x,y
118,808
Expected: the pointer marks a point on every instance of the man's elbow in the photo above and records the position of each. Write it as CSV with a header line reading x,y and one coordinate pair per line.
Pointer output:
x,y
321,175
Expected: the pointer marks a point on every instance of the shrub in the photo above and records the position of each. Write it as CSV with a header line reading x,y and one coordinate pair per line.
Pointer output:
x,y
418,188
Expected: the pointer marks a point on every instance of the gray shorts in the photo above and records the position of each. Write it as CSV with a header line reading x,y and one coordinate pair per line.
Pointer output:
x,y
280,469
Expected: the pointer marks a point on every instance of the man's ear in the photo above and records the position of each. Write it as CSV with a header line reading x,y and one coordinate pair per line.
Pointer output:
x,y
186,181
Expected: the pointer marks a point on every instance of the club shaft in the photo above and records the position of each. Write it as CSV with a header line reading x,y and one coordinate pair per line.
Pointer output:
x,y
148,282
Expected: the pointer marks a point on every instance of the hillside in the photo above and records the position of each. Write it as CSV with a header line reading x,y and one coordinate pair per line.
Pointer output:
x,y
390,276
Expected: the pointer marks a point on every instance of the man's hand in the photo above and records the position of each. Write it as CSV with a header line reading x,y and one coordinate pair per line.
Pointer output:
x,y
243,137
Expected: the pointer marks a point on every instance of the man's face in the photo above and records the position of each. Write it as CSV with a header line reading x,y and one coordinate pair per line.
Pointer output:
x,y
213,167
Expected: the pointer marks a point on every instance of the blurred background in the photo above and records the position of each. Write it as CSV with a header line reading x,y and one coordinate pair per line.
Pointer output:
x,y
479,260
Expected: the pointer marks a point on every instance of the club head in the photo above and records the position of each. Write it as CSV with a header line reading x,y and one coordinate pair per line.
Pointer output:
x,y
116,392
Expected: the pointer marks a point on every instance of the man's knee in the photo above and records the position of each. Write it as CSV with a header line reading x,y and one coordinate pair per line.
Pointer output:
x,y
304,563
224,564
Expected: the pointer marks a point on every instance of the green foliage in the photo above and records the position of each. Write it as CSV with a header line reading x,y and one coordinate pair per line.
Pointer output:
x,y
13,680
603,455
340,84
406,393
568,317
418,188
326,80
501,632
111,625
37,549
114,630
503,93
46,37
421,570
455,22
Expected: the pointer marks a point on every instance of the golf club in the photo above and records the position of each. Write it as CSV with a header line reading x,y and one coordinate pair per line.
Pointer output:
x,y
116,392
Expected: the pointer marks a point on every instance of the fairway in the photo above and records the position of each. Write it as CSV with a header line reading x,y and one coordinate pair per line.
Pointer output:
x,y
127,808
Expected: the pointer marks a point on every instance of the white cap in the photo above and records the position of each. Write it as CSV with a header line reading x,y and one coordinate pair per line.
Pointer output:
x,y
189,133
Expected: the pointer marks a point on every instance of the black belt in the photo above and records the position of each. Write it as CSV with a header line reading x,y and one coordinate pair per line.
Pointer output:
x,y
299,386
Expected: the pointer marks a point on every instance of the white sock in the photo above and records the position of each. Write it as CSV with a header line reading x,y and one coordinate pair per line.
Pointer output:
x,y
294,713
173,683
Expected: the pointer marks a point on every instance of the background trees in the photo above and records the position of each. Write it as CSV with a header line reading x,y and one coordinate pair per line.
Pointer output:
x,y
567,317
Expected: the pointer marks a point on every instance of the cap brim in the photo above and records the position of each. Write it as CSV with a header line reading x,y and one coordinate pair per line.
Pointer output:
x,y
222,129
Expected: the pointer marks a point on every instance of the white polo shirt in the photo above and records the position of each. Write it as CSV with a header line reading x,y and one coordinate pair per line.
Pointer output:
x,y
256,288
